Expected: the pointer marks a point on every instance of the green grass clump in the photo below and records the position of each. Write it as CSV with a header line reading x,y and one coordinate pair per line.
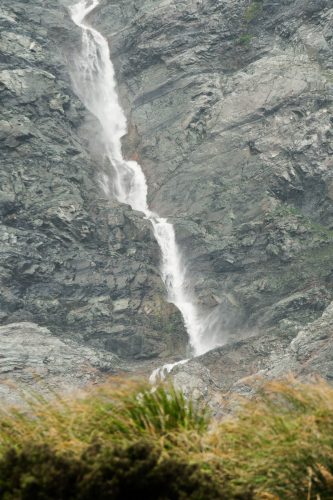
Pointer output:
x,y
245,39
163,411
127,441
119,411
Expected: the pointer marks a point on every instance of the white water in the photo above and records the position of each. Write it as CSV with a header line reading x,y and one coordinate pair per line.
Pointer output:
x,y
161,373
94,82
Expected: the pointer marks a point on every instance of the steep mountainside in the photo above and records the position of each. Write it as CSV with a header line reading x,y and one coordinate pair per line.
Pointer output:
x,y
71,260
231,117
238,367
229,105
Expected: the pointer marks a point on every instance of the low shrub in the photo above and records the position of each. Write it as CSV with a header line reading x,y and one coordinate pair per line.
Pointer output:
x,y
245,39
37,472
133,472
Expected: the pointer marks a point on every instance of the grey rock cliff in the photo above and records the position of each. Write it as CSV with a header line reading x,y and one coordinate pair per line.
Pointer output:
x,y
237,368
71,260
34,359
231,110
230,104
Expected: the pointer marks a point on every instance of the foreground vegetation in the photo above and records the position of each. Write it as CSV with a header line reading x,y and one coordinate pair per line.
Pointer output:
x,y
123,441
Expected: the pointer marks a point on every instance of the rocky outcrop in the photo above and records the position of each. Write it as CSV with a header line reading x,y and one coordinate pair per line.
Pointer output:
x,y
231,111
33,359
72,260
311,352
237,368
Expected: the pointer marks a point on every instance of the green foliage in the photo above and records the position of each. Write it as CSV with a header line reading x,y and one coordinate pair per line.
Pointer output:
x,y
139,471
245,39
37,472
117,411
287,210
164,410
253,11
284,210
133,472
124,440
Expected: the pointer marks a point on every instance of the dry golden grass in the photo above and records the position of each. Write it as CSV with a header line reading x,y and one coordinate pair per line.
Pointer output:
x,y
279,445
119,411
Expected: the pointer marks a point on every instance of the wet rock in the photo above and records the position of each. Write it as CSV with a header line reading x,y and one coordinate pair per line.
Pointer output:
x,y
235,369
230,105
230,113
72,259
310,353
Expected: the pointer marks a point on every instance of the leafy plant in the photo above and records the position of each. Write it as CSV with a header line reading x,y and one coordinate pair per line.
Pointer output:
x,y
129,472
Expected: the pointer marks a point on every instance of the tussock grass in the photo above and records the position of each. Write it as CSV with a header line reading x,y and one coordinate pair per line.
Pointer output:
x,y
123,440
281,443
119,411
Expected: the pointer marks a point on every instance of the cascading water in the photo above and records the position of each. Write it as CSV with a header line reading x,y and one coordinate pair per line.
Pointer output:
x,y
94,82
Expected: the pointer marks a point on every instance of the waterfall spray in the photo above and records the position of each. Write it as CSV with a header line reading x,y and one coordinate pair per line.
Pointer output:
x,y
94,82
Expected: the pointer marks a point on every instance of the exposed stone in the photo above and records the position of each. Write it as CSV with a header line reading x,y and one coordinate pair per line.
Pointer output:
x,y
235,368
31,358
72,259
230,114
230,105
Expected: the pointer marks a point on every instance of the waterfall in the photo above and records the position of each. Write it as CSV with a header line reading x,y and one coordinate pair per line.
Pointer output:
x,y
94,82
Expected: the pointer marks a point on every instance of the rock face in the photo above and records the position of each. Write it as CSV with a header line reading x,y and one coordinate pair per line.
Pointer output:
x,y
71,260
31,357
236,368
231,110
